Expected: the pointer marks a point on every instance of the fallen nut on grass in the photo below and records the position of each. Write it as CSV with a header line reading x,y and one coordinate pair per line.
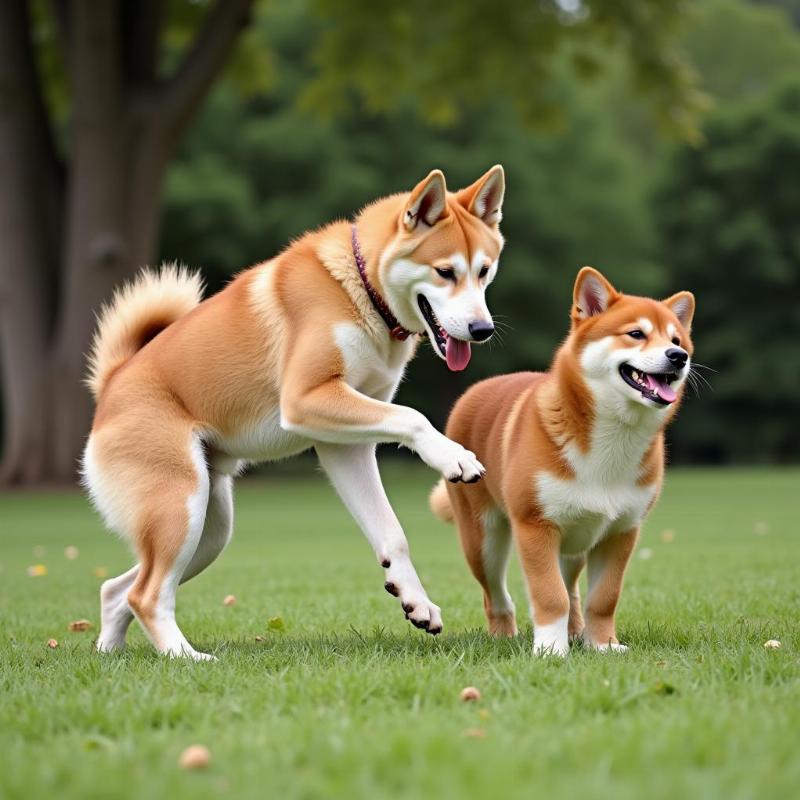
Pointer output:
x,y
229,600
80,625
469,693
772,644
52,643
197,756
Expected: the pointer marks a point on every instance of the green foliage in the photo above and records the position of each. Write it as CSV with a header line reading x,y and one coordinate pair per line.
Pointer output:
x,y
351,702
449,55
259,170
727,217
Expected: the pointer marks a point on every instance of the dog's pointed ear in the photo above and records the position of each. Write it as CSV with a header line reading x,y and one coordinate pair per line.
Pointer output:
x,y
427,203
484,198
682,306
592,295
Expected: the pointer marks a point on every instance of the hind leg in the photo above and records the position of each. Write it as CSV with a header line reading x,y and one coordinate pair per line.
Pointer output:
x,y
571,568
486,540
115,612
217,528
169,526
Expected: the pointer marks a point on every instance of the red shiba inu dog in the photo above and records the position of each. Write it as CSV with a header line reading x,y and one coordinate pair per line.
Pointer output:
x,y
575,460
305,350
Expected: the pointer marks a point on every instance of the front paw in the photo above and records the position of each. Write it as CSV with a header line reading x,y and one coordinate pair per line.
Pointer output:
x,y
455,462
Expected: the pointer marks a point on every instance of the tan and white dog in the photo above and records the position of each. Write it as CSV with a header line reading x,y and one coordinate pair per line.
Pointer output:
x,y
575,460
305,350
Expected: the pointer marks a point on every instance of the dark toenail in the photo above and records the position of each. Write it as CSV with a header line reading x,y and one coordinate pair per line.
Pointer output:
x,y
386,563
421,624
473,480
391,588
434,631
408,608
455,479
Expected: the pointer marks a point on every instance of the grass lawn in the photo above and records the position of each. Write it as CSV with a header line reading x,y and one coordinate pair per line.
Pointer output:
x,y
348,700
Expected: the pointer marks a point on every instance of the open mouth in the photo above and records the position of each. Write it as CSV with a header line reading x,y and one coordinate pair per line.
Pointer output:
x,y
455,352
653,386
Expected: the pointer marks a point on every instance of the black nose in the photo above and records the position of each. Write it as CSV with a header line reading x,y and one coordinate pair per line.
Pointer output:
x,y
678,356
480,331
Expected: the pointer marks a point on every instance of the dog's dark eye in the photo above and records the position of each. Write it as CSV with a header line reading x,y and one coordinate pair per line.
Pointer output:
x,y
484,272
637,334
446,273
676,341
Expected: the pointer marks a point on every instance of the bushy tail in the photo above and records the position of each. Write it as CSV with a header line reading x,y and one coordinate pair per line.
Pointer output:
x,y
439,502
138,312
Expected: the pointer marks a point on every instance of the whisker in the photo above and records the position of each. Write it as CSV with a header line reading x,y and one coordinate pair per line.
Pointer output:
x,y
703,366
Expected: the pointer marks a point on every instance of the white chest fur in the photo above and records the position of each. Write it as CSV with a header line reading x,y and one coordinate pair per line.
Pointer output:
x,y
604,496
373,368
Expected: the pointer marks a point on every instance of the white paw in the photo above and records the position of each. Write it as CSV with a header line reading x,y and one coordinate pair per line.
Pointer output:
x,y
455,462
109,644
552,639
555,647
609,647
187,651
416,605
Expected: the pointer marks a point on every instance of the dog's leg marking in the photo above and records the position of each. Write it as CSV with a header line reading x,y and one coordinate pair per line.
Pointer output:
x,y
571,568
607,563
539,543
165,556
353,471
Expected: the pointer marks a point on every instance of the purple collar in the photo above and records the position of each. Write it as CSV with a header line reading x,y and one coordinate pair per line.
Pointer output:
x,y
396,330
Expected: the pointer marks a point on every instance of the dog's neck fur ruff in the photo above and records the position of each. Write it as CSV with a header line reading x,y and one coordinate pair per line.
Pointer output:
x,y
396,330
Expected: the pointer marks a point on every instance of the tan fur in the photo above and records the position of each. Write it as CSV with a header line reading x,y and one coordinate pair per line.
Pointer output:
x,y
257,372
137,313
522,426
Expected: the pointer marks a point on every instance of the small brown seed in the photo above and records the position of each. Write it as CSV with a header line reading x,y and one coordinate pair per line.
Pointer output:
x,y
80,625
229,600
197,756
469,693
52,644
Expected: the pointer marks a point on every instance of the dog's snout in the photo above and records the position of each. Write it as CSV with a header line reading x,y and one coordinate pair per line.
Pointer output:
x,y
677,356
480,330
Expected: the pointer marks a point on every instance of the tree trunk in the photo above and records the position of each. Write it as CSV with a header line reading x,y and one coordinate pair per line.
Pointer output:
x,y
29,232
100,252
125,126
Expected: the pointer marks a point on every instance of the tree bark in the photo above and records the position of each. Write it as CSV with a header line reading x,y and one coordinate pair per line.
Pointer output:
x,y
125,127
29,231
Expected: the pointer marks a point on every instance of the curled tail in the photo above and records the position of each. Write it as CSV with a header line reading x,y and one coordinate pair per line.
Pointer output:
x,y
439,502
138,312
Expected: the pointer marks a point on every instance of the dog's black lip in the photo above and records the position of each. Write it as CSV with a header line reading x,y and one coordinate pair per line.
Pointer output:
x,y
434,324
625,370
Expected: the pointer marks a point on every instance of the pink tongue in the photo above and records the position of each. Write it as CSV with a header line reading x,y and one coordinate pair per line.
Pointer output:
x,y
458,354
661,388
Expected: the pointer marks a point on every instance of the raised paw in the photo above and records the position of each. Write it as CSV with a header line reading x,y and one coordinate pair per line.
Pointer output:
x,y
449,458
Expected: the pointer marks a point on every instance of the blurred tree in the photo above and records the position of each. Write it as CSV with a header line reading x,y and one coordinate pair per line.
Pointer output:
x,y
79,208
79,212
727,217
